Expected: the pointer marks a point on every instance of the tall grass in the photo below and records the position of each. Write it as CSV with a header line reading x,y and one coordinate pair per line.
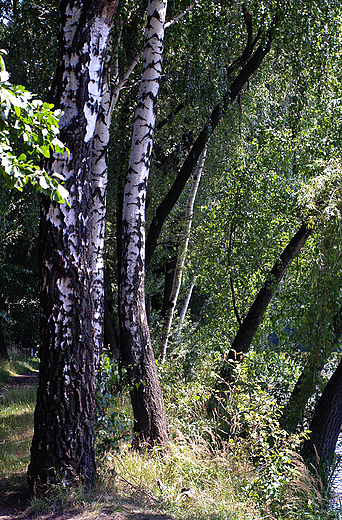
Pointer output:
x,y
189,481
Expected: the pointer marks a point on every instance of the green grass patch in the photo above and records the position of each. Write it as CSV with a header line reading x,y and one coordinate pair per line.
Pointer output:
x,y
16,425
15,367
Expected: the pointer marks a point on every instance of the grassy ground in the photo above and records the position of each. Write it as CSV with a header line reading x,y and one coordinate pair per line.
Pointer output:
x,y
194,479
16,429
186,482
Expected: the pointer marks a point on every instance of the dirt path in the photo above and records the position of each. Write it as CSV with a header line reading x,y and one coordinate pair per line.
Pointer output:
x,y
15,498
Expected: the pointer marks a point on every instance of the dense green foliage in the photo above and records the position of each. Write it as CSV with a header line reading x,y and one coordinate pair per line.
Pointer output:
x,y
28,132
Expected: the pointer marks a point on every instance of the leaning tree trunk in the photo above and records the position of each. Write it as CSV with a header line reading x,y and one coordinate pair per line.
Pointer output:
x,y
326,423
70,240
251,61
150,421
184,308
250,324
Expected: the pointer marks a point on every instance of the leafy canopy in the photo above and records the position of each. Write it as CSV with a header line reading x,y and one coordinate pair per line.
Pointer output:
x,y
28,132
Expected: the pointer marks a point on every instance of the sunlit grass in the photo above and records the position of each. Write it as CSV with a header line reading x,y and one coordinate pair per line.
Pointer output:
x,y
15,367
189,481
16,423
16,430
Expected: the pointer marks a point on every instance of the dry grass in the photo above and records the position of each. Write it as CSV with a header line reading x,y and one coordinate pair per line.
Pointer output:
x,y
190,480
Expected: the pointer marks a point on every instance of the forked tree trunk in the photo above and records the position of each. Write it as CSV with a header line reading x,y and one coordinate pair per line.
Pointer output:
x,y
71,238
150,422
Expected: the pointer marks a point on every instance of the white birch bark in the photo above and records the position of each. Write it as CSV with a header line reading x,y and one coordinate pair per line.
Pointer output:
x,y
63,442
184,308
183,249
148,407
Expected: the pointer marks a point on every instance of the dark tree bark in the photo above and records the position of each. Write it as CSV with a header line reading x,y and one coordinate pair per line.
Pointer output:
x,y
250,324
251,63
70,241
305,386
326,423
169,274
3,348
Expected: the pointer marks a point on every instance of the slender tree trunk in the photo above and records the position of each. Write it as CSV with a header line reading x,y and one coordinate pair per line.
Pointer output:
x,y
3,348
148,407
183,249
169,275
70,249
184,308
98,187
326,423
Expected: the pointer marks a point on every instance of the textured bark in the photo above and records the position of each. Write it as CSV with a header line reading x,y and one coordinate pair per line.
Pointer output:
x,y
306,384
326,423
150,419
182,252
251,64
71,238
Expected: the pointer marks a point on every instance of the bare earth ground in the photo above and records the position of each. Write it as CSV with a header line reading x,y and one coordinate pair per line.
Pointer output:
x,y
15,498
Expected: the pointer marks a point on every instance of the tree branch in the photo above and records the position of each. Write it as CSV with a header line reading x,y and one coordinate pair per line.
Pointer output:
x,y
191,160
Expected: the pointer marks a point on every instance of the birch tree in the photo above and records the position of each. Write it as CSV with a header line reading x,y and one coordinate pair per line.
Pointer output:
x,y
71,248
148,407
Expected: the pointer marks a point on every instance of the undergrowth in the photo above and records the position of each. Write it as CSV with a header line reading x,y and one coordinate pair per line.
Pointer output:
x,y
236,464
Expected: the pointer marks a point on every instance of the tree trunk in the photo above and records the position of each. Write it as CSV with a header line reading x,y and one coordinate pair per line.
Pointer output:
x,y
326,423
70,240
183,249
169,275
3,348
250,324
184,308
150,419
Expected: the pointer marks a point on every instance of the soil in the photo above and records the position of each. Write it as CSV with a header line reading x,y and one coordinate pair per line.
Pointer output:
x,y
15,497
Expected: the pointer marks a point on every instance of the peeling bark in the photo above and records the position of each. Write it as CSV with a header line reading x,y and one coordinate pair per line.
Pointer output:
x,y
150,419
71,244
